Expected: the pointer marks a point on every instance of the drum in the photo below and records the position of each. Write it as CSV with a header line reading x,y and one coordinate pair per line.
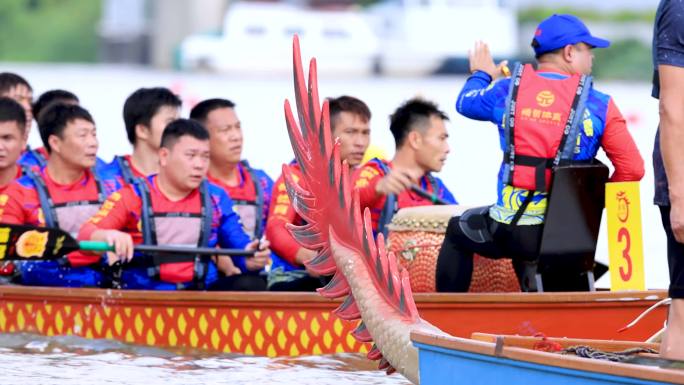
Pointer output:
x,y
415,236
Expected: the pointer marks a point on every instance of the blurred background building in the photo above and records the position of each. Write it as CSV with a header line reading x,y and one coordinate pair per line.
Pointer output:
x,y
391,37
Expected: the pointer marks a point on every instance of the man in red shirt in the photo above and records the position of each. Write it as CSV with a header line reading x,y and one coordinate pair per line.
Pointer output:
x,y
37,157
16,87
12,143
146,113
349,120
177,206
62,194
12,140
421,148
249,188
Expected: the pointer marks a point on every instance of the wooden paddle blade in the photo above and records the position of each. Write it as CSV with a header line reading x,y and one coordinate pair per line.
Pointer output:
x,y
18,242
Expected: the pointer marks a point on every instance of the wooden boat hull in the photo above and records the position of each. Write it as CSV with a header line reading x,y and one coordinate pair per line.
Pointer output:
x,y
443,360
291,324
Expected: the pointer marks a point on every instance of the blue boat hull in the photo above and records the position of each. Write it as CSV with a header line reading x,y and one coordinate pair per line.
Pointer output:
x,y
440,366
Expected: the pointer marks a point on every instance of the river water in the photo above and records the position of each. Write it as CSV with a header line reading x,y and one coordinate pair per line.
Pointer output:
x,y
27,359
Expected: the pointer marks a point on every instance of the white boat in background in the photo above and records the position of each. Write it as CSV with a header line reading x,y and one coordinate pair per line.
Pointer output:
x,y
394,37
418,36
257,38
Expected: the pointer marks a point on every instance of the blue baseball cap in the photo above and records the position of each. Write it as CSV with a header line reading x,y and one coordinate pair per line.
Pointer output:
x,y
557,31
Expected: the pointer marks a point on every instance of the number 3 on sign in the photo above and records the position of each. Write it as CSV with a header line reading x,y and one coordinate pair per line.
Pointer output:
x,y
625,272
625,249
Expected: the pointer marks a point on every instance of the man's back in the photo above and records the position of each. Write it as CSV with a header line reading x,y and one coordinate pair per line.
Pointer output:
x,y
602,126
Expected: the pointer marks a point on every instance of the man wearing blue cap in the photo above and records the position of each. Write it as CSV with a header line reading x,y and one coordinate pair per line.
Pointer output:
x,y
559,118
668,159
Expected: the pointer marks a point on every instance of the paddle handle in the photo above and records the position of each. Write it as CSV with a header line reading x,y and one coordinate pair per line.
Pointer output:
x,y
94,246
103,246
192,250
432,197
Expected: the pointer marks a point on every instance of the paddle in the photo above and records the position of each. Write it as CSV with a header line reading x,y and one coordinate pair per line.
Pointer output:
x,y
19,242
432,197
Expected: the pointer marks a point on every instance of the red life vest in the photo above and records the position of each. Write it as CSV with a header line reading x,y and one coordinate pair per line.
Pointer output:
x,y
541,126
69,216
251,211
181,229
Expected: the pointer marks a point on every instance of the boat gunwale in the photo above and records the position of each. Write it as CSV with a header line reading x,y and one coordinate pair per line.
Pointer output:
x,y
296,299
548,359
527,342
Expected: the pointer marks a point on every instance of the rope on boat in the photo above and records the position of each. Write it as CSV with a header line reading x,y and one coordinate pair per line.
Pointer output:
x,y
589,352
665,301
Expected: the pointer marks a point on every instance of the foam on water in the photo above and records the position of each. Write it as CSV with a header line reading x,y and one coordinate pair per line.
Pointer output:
x,y
28,359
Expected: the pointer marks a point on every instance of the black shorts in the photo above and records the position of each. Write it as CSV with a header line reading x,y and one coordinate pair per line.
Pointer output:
x,y
476,232
675,256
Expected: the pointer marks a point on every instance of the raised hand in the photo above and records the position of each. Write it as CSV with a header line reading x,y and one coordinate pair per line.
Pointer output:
x,y
481,60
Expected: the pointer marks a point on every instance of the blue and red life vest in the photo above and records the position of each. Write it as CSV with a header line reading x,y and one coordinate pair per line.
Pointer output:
x,y
177,228
541,126
251,211
69,216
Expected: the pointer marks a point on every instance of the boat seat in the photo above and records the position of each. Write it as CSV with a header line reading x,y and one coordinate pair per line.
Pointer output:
x,y
573,219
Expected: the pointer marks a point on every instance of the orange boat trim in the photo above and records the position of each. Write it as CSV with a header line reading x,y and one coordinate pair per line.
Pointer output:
x,y
292,324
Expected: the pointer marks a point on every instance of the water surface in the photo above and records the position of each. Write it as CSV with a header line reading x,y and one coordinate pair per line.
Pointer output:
x,y
27,359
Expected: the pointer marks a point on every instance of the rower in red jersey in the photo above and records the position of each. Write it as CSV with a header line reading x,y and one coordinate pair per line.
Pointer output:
x,y
178,206
350,123
63,194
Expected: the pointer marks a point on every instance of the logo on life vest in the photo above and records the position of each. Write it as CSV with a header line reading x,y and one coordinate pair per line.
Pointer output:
x,y
545,98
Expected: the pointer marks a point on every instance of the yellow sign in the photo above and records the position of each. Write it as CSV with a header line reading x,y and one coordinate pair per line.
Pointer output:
x,y
625,246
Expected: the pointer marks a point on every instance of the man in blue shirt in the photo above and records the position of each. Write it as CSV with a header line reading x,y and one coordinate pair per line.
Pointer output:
x,y
539,104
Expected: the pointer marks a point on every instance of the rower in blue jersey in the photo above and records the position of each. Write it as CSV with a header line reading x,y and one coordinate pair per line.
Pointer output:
x,y
146,113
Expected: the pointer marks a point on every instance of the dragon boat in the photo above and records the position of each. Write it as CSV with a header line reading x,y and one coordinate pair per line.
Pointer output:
x,y
428,338
377,290
290,324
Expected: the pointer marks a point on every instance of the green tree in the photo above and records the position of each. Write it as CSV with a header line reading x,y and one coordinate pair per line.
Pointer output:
x,y
49,30
625,60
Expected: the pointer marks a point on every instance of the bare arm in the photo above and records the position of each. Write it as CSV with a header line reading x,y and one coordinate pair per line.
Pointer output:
x,y
672,140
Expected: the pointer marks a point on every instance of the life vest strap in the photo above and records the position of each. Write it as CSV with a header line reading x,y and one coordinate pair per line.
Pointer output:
x,y
126,170
390,207
258,202
540,166
150,234
522,208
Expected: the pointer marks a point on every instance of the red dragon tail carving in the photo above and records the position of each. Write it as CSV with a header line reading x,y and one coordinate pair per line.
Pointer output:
x,y
377,289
